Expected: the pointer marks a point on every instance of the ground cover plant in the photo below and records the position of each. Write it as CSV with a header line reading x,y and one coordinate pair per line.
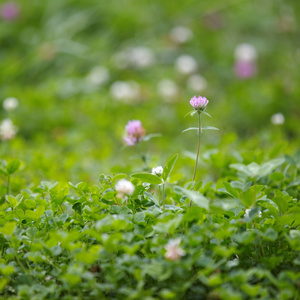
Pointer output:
x,y
119,179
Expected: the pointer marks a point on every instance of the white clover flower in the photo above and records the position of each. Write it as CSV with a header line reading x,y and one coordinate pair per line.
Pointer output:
x,y
138,57
98,76
10,103
197,83
181,34
7,130
124,188
186,64
125,90
277,119
245,52
157,171
168,89
174,252
141,57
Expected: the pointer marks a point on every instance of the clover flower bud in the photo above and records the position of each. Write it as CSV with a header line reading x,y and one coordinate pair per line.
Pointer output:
x,y
124,187
174,252
157,171
199,103
135,132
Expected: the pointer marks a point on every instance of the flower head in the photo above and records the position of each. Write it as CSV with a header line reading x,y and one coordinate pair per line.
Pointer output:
x,y
157,171
10,103
186,64
124,187
7,130
277,119
9,11
135,132
199,103
174,252
245,69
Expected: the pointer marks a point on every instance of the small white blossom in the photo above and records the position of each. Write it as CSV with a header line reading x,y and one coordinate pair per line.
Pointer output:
x,y
197,83
125,90
277,119
10,103
174,252
98,76
157,171
141,57
137,57
124,187
245,52
186,64
7,130
167,89
181,34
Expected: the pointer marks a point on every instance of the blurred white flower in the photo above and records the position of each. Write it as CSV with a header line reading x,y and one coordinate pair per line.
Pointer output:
x,y
137,57
197,83
181,34
98,76
10,103
141,57
174,252
124,187
157,171
186,64
7,130
247,212
277,119
125,90
245,52
167,89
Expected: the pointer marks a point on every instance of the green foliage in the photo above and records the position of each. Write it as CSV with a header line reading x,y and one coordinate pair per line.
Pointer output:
x,y
87,243
65,233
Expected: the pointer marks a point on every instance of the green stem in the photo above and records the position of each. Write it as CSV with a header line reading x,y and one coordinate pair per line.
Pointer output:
x,y
198,148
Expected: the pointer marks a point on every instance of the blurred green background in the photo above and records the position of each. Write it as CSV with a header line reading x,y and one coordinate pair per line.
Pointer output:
x,y
81,69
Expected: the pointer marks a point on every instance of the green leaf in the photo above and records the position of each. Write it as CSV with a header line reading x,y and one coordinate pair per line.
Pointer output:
x,y
269,166
249,197
146,177
206,113
8,228
150,136
209,128
281,200
190,113
191,128
118,177
231,191
13,166
12,201
196,197
250,170
169,166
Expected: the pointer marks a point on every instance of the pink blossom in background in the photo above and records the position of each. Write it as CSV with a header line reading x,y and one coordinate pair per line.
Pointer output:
x,y
199,103
245,69
9,11
134,131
